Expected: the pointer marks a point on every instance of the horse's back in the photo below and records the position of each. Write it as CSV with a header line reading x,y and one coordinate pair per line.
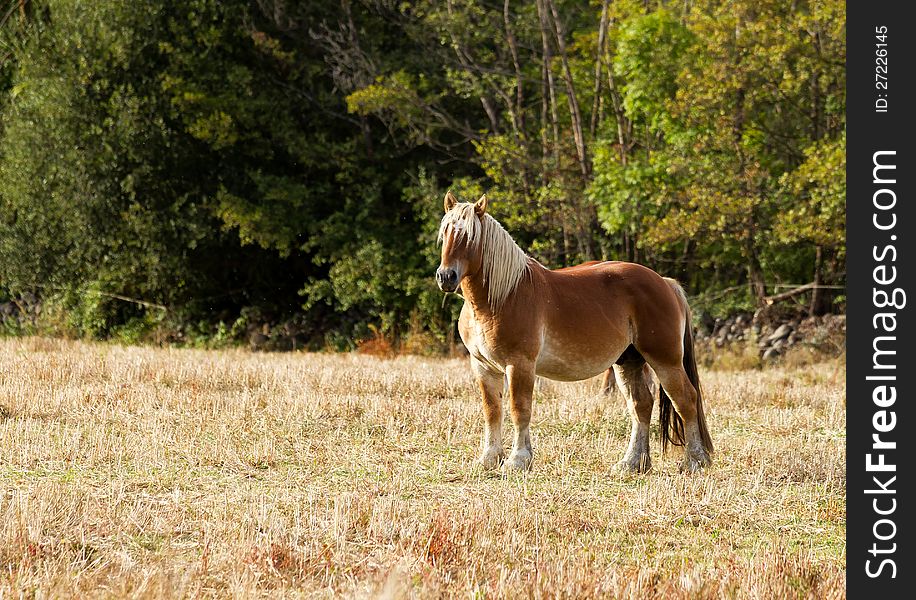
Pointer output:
x,y
626,294
615,275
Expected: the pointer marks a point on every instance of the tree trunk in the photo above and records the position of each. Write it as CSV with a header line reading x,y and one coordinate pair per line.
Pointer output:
x,y
575,115
817,294
518,114
816,114
545,141
367,136
619,116
466,60
567,245
491,113
548,74
599,61
755,273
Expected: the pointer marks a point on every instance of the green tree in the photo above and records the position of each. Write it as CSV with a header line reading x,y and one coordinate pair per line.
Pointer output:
x,y
92,197
227,158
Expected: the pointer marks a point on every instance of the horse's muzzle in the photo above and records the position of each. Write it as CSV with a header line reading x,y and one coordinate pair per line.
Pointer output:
x,y
447,279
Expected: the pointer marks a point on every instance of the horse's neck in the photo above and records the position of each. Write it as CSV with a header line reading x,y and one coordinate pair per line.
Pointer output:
x,y
475,292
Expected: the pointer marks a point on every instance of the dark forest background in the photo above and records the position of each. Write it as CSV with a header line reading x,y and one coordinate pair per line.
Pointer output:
x,y
208,170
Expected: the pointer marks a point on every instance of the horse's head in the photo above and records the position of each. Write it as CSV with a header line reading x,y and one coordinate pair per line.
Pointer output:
x,y
460,234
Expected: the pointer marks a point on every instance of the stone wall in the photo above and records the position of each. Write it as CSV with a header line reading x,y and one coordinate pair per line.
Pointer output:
x,y
775,335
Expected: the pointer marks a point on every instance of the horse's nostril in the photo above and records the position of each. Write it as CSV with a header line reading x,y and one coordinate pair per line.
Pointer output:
x,y
446,277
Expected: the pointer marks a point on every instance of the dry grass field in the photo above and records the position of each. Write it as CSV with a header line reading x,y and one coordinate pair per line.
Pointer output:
x,y
145,472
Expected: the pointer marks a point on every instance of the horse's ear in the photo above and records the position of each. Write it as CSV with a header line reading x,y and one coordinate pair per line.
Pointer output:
x,y
480,207
450,201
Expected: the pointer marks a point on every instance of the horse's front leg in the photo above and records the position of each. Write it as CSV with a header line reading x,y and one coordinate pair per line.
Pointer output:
x,y
521,388
491,387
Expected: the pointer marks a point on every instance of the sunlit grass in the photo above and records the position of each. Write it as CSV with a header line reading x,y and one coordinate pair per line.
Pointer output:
x,y
170,473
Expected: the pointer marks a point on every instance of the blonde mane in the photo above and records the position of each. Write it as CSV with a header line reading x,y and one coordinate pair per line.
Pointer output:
x,y
503,262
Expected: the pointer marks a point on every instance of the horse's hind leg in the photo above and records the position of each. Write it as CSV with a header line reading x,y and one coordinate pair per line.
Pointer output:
x,y
631,377
651,380
491,387
677,385
608,384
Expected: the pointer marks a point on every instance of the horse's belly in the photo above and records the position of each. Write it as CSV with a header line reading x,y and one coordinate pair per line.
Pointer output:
x,y
572,364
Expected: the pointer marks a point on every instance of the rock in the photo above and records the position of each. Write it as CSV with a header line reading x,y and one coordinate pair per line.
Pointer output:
x,y
835,322
781,332
770,354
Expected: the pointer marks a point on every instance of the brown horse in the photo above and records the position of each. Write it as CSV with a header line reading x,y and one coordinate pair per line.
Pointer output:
x,y
609,380
522,320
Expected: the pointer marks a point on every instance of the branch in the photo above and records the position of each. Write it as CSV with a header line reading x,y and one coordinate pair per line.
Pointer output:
x,y
770,300
144,303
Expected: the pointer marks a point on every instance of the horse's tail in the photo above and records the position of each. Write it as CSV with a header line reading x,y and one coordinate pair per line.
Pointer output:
x,y
672,426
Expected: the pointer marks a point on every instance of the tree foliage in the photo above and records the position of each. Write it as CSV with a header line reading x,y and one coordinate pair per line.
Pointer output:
x,y
225,158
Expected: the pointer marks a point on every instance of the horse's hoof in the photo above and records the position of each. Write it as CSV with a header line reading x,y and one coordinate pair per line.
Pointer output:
x,y
491,459
695,464
518,461
641,463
